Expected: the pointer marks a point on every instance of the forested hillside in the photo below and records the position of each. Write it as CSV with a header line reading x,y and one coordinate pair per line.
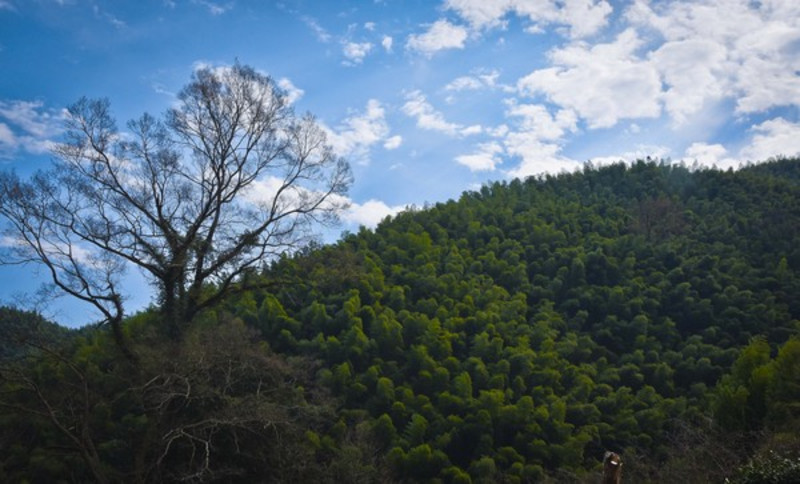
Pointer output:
x,y
512,335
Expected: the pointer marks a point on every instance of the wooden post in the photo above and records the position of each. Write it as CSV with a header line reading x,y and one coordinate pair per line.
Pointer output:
x,y
612,468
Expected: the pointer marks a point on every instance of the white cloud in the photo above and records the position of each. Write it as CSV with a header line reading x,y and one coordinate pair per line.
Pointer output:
x,y
581,17
108,17
417,106
321,34
214,8
536,156
746,50
602,83
441,35
538,122
498,131
485,159
369,26
29,116
293,93
773,138
481,13
60,253
356,51
370,213
696,55
387,42
359,132
710,155
393,143
640,152
536,139
7,139
481,79
272,192
465,83
28,126
691,68
6,5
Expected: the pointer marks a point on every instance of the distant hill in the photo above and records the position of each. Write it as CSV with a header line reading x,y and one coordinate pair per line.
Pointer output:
x,y
22,330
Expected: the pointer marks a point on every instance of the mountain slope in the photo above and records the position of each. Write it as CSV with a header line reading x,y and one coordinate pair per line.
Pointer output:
x,y
530,325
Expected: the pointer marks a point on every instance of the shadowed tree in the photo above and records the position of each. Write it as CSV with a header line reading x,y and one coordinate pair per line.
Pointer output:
x,y
227,178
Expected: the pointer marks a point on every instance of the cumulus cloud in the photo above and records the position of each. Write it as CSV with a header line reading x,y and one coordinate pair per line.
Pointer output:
x,y
370,213
582,18
536,156
602,83
355,136
355,52
773,138
417,106
393,142
537,120
387,42
485,159
536,139
710,155
691,69
740,49
696,55
440,36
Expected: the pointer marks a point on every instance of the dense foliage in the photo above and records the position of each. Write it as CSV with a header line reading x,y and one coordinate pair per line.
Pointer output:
x,y
530,325
512,335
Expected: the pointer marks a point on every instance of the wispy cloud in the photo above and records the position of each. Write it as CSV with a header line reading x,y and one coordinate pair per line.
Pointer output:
x,y
108,17
418,107
27,126
214,8
321,34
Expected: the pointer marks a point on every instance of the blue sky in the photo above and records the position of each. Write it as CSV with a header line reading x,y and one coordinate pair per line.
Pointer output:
x,y
425,98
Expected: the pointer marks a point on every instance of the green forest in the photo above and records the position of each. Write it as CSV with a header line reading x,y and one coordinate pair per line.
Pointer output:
x,y
513,335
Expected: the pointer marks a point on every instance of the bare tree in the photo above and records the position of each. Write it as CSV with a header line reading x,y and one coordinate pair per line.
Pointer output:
x,y
226,179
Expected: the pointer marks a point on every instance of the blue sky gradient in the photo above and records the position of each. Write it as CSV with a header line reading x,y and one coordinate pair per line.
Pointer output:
x,y
426,99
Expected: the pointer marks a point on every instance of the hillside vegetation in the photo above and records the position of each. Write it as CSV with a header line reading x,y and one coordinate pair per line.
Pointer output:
x,y
512,335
